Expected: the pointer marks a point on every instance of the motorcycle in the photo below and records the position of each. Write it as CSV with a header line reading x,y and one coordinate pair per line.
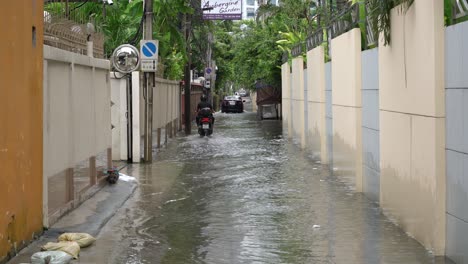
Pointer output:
x,y
205,126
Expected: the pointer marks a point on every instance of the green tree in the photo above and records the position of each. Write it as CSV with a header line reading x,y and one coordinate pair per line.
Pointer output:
x,y
123,23
245,56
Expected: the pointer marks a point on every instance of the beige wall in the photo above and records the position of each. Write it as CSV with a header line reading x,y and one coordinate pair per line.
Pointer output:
x,y
346,69
166,105
253,98
118,116
317,137
420,70
77,113
286,96
412,122
297,99
347,108
77,126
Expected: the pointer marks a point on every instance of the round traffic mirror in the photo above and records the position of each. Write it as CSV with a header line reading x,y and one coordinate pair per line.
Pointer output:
x,y
126,58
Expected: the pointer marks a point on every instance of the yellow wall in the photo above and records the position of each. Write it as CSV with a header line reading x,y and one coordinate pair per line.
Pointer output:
x,y
20,123
412,123
347,108
316,103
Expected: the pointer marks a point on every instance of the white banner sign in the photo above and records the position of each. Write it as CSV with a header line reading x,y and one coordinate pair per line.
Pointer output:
x,y
222,9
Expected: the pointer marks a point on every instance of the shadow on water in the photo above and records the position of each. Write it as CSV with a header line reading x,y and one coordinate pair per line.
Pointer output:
x,y
247,195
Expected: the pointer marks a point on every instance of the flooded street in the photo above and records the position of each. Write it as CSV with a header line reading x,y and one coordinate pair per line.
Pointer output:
x,y
248,195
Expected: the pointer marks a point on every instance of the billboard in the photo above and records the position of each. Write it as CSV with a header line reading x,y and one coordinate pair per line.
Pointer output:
x,y
222,9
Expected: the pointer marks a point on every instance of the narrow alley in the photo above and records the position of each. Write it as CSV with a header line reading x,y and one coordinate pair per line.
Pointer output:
x,y
349,145
247,195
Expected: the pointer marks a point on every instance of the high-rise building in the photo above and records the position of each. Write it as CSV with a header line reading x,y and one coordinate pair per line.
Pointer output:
x,y
264,2
249,7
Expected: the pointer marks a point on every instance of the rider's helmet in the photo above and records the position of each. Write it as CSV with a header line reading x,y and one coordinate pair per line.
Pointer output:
x,y
203,98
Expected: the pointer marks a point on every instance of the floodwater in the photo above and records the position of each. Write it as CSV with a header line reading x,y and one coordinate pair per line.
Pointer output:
x,y
247,194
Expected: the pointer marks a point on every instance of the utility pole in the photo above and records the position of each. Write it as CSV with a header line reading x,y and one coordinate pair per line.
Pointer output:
x,y
187,78
209,64
148,86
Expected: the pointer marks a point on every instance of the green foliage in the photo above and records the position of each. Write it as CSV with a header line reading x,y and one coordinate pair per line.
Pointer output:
x,y
256,57
254,53
289,39
122,24
449,13
174,65
224,53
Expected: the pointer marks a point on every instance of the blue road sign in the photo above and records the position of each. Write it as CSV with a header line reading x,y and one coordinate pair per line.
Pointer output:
x,y
149,49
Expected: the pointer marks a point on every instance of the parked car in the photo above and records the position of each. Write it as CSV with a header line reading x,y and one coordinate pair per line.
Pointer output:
x,y
232,103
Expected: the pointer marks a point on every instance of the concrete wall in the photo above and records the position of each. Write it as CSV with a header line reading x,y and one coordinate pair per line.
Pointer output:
x,y
286,96
77,128
120,133
412,118
297,100
316,129
456,83
119,116
329,112
166,96
370,124
166,110
21,124
305,112
253,100
385,122
347,127
166,113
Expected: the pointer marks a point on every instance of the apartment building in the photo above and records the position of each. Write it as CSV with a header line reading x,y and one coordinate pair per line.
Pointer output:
x,y
249,7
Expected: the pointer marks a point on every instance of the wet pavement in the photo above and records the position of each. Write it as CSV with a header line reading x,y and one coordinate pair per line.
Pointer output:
x,y
247,195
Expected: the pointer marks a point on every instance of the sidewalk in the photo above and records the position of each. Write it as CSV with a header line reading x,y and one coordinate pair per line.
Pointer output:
x,y
89,217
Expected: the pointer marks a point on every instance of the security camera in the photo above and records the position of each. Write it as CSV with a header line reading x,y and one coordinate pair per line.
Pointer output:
x,y
109,2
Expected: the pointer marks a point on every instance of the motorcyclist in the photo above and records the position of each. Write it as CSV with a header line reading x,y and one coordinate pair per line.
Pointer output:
x,y
204,104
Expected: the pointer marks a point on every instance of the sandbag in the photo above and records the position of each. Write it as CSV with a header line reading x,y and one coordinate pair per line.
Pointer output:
x,y
51,257
70,247
83,239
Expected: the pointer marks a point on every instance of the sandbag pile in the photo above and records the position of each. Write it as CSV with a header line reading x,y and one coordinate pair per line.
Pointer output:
x,y
62,252
51,257
83,239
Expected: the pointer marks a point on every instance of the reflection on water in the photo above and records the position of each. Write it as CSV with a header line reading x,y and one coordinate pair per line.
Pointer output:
x,y
247,195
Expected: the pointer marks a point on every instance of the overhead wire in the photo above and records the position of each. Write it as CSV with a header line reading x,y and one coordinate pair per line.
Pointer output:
x,y
78,6
137,34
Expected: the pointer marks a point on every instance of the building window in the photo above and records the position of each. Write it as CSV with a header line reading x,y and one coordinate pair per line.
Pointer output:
x,y
250,12
251,2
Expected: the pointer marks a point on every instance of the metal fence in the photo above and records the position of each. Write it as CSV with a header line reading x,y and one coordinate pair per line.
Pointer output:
x,y
350,17
342,22
460,9
370,26
69,26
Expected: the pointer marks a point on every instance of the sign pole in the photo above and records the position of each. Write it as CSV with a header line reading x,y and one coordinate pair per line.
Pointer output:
x,y
148,85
